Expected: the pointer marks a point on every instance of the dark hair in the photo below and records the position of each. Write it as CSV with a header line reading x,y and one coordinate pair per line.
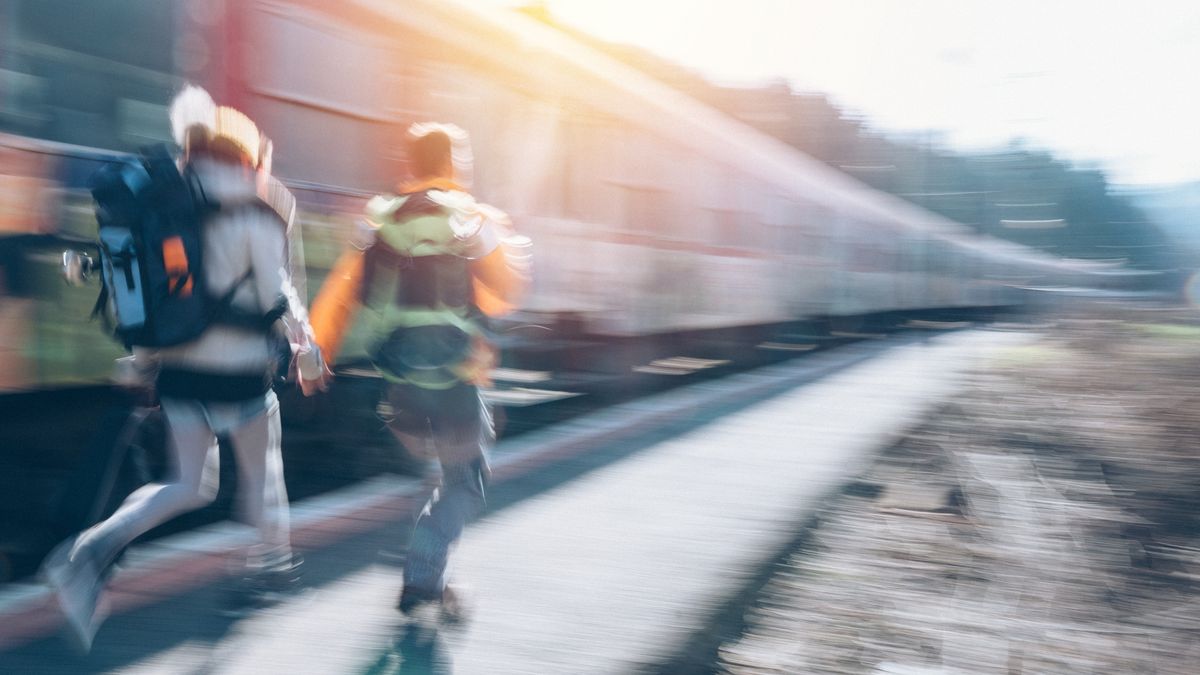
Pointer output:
x,y
429,155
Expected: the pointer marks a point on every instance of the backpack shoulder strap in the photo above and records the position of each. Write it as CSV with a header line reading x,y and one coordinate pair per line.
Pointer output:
x,y
226,314
279,202
416,204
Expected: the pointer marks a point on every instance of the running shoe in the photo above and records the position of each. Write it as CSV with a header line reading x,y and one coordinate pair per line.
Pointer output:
x,y
76,578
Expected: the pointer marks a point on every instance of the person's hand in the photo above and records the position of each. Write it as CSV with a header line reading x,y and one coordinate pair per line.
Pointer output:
x,y
310,387
135,381
477,368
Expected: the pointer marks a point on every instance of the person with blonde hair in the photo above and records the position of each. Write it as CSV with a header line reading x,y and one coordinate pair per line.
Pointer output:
x,y
219,383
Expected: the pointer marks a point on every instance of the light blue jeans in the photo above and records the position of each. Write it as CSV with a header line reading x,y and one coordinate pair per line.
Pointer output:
x,y
253,428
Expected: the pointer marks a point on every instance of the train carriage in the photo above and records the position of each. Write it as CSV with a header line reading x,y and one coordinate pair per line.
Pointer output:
x,y
653,216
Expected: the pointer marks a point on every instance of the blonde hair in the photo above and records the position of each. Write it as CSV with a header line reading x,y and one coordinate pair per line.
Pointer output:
x,y
235,136
193,114
201,126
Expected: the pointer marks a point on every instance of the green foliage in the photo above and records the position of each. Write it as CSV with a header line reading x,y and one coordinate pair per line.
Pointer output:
x,y
1019,193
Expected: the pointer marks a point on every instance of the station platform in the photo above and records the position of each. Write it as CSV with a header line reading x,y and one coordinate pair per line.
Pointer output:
x,y
612,540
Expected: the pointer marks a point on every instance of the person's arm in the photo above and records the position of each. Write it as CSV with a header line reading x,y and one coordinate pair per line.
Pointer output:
x,y
337,303
272,281
500,266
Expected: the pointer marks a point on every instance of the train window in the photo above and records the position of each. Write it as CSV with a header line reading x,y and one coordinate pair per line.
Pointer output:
x,y
20,107
405,85
720,201
453,93
726,229
456,94
644,210
530,166
319,147
778,220
495,116
572,145
326,113
142,122
304,59
60,83
592,188
674,177
136,32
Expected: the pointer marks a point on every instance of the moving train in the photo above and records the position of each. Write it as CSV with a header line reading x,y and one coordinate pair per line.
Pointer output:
x,y
655,219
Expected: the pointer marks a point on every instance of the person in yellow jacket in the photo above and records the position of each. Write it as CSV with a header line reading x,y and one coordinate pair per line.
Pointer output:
x,y
429,265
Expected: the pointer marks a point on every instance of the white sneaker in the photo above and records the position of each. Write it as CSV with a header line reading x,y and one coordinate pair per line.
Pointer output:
x,y
74,576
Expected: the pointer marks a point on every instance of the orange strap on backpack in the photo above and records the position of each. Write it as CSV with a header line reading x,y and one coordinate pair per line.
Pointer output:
x,y
179,279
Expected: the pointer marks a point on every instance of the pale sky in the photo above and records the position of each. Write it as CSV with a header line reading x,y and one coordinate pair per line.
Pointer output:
x,y
1108,82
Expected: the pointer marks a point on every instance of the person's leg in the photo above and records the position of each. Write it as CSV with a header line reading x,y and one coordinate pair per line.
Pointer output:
x,y
262,494
461,434
408,420
195,457
76,568
459,499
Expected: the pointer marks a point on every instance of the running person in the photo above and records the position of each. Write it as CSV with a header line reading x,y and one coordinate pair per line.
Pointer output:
x,y
435,264
219,383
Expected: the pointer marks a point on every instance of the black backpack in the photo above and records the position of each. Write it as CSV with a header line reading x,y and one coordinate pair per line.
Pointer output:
x,y
150,216
419,282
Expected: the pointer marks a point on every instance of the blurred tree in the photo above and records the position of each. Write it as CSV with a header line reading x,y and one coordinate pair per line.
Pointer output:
x,y
1019,193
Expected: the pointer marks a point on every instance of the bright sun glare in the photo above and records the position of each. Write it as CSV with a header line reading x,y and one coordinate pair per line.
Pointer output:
x,y
1069,74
